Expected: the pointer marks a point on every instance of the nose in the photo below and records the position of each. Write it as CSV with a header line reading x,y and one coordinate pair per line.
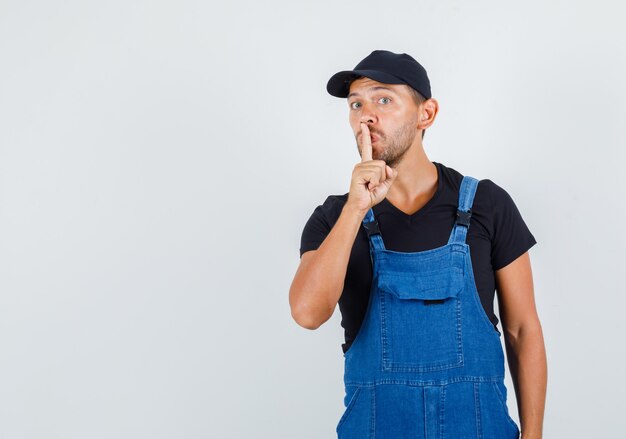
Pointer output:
x,y
368,115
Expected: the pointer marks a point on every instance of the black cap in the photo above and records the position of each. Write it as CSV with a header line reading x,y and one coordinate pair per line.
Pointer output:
x,y
386,67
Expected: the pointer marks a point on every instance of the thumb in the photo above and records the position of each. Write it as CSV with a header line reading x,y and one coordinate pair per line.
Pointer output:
x,y
391,176
391,173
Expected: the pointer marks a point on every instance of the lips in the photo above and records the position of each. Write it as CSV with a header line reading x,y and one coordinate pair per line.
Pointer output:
x,y
374,137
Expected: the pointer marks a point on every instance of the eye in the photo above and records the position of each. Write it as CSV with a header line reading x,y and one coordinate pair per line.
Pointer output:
x,y
384,100
355,105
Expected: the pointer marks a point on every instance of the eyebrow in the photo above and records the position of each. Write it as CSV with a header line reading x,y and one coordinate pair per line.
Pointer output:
x,y
374,89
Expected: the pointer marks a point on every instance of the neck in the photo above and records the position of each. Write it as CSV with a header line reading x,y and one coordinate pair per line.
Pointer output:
x,y
417,176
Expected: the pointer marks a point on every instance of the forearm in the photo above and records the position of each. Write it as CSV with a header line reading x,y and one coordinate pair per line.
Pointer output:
x,y
318,284
528,365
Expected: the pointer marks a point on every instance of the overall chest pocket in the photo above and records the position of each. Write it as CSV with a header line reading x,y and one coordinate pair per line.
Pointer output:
x,y
421,320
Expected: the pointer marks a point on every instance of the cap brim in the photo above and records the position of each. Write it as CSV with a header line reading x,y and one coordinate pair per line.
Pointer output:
x,y
339,84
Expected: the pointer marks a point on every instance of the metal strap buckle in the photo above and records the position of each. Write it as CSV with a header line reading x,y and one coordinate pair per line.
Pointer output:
x,y
463,218
371,227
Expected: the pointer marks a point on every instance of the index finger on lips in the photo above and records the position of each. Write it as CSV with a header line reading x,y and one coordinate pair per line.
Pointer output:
x,y
366,143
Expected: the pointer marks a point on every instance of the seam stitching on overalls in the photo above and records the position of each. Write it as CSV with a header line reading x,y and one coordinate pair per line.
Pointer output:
x,y
373,412
479,428
442,397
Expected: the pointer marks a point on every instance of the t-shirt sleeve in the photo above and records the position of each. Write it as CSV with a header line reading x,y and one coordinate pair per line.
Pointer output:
x,y
511,236
316,228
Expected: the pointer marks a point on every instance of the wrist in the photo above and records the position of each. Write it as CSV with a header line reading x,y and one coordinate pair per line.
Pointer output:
x,y
354,212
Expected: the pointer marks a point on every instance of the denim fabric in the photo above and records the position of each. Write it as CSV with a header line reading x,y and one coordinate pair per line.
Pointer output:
x,y
426,362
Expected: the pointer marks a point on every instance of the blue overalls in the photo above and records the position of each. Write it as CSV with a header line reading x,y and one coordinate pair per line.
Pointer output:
x,y
427,361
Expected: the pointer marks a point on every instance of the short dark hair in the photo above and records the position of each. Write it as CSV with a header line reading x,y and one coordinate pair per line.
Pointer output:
x,y
418,99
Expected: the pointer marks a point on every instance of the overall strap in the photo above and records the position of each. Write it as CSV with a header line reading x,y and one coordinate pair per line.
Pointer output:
x,y
464,210
373,232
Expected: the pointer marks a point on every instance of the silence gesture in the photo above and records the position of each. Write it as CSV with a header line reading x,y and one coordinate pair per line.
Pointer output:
x,y
371,179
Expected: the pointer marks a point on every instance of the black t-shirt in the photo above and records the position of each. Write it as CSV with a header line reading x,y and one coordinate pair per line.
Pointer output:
x,y
497,235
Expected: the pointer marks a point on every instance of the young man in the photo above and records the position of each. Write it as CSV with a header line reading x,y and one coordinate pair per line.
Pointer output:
x,y
413,254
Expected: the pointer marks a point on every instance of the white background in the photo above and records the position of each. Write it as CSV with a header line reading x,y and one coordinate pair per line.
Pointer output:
x,y
158,161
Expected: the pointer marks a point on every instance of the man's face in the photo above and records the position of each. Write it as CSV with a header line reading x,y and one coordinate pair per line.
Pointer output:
x,y
390,113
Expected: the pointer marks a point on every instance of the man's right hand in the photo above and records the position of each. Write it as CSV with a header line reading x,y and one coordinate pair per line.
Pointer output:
x,y
319,281
371,179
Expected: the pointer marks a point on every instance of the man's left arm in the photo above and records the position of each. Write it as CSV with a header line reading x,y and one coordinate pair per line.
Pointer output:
x,y
523,339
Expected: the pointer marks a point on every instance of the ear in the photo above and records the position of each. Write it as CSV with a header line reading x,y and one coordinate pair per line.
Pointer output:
x,y
428,112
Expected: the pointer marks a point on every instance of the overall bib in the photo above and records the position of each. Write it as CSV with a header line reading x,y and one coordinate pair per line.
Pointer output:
x,y
427,362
